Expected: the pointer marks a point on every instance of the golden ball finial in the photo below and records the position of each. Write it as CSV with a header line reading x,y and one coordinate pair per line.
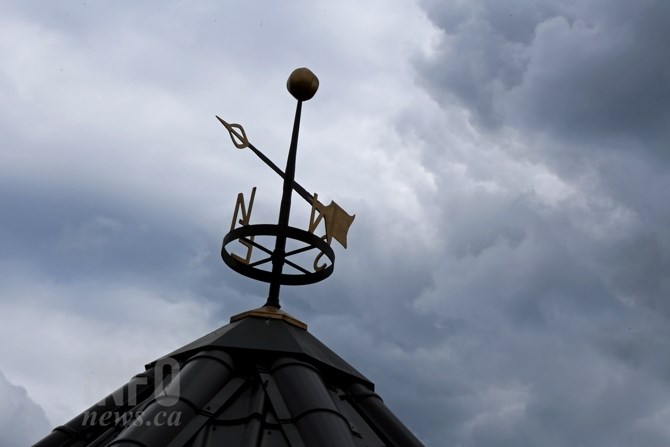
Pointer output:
x,y
302,84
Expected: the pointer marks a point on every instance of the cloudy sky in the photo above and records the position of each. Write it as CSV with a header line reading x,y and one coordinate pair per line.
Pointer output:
x,y
507,277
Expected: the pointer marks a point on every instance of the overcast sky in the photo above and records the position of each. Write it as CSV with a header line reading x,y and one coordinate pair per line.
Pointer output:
x,y
507,277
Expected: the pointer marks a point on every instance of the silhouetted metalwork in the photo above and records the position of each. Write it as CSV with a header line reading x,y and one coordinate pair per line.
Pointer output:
x,y
302,84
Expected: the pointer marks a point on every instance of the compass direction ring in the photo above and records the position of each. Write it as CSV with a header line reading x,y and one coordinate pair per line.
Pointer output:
x,y
291,233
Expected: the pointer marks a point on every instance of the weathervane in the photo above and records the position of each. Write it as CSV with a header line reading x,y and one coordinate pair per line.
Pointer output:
x,y
302,84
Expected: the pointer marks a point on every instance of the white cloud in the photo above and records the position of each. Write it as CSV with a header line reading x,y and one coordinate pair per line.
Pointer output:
x,y
89,338
22,421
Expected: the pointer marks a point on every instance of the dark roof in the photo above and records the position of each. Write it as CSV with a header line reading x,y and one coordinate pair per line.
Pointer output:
x,y
262,380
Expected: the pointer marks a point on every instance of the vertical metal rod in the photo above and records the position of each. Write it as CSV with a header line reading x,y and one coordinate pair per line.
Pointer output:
x,y
284,212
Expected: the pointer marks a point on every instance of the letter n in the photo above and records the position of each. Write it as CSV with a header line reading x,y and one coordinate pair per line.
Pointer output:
x,y
241,208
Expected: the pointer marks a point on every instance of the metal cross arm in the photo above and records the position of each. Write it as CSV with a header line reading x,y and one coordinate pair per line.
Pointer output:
x,y
240,141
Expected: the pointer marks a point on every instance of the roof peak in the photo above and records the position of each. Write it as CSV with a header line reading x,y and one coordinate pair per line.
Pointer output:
x,y
272,313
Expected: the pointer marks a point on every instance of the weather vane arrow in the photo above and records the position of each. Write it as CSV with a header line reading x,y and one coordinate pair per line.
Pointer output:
x,y
336,219
302,84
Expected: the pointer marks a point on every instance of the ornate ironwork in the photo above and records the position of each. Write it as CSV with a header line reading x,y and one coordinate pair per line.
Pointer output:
x,y
302,84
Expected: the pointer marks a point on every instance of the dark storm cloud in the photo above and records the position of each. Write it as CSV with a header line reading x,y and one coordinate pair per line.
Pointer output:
x,y
483,53
560,291
590,80
583,71
538,348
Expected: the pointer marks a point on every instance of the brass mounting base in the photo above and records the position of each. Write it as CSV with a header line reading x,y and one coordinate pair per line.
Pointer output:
x,y
270,312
